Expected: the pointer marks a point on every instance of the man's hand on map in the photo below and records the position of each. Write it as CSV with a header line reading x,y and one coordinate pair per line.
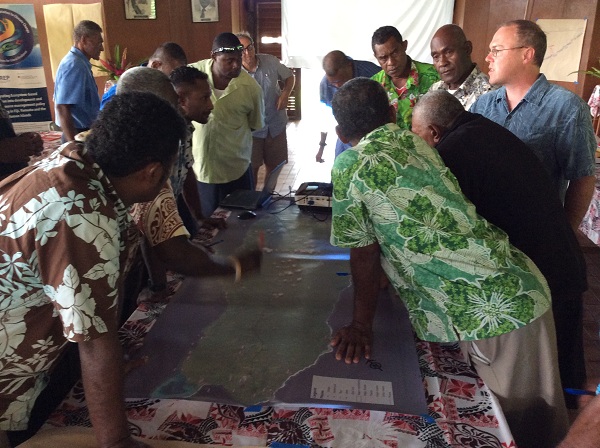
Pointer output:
x,y
250,258
213,223
352,341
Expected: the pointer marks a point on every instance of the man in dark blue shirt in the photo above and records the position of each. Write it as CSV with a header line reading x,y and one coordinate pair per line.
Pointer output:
x,y
510,188
339,69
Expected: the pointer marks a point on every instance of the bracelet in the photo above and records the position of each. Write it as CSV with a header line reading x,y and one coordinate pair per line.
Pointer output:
x,y
235,262
322,144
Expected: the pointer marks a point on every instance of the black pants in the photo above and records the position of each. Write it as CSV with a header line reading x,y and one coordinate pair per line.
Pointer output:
x,y
568,318
212,194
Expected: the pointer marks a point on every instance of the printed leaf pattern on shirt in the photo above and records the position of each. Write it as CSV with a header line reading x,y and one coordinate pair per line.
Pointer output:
x,y
71,218
458,275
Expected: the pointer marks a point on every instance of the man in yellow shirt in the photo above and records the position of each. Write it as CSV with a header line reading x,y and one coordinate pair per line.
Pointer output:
x,y
223,146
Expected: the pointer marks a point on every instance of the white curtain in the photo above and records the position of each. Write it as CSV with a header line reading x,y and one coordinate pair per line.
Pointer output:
x,y
313,28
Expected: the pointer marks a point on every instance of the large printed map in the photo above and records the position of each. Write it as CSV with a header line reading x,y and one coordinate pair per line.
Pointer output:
x,y
266,339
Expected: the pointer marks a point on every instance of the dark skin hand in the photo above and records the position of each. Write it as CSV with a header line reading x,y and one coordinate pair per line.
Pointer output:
x,y
20,148
356,339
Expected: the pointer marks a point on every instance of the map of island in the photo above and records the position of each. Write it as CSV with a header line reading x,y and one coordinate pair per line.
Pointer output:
x,y
266,340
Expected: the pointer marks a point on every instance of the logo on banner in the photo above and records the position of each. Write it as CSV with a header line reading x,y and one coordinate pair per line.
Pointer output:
x,y
16,38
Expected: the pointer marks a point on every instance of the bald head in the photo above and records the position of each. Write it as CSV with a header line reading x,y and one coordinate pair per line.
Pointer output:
x,y
451,32
451,53
338,68
145,79
434,114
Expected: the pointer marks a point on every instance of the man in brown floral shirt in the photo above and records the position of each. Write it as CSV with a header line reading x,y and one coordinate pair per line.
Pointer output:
x,y
63,228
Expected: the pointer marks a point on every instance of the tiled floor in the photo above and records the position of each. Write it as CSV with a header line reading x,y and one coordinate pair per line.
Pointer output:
x,y
303,141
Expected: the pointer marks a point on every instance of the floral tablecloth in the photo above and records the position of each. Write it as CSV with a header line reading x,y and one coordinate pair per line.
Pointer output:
x,y
461,410
590,225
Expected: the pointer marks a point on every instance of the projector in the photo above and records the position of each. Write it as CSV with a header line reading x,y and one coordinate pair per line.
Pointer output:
x,y
314,196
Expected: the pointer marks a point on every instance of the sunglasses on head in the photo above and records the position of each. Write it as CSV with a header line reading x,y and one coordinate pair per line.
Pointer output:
x,y
228,49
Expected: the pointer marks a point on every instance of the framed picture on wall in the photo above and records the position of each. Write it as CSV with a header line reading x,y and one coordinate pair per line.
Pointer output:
x,y
140,9
205,10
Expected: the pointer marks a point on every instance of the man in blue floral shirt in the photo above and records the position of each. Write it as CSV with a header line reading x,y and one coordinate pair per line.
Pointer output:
x,y
399,208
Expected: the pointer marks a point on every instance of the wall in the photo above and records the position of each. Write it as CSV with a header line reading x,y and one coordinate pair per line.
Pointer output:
x,y
481,18
41,24
173,23
141,37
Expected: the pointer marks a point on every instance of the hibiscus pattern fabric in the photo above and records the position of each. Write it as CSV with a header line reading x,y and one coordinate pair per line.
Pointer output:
x,y
461,411
64,234
457,274
421,77
590,225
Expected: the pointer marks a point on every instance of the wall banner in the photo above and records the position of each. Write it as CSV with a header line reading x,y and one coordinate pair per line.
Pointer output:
x,y
22,82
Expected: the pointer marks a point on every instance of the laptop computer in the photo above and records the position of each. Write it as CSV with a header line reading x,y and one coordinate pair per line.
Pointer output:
x,y
252,199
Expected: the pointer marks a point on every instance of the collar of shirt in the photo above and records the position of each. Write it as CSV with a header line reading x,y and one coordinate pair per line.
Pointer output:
x,y
80,154
77,52
533,96
467,84
412,80
234,83
537,90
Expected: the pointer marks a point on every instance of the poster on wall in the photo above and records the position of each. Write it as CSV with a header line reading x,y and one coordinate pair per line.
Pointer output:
x,y
22,81
140,9
205,10
565,44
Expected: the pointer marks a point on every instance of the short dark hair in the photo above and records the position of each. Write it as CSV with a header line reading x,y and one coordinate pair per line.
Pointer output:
x,y
360,106
226,40
383,34
530,35
333,61
170,50
85,28
133,130
186,75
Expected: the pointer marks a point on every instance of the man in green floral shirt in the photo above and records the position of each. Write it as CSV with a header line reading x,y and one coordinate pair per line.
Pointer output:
x,y
399,208
403,79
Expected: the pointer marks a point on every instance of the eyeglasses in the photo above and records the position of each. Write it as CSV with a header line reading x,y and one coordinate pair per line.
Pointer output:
x,y
494,51
228,49
248,48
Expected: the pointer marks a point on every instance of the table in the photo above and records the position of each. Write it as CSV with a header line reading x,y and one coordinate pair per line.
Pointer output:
x,y
594,103
461,410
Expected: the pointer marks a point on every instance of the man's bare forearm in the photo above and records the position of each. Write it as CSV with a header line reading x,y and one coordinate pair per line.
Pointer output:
x,y
66,121
102,374
578,198
365,266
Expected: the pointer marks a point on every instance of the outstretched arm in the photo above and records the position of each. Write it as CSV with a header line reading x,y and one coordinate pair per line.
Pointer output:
x,y
102,373
66,121
181,255
288,86
354,340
